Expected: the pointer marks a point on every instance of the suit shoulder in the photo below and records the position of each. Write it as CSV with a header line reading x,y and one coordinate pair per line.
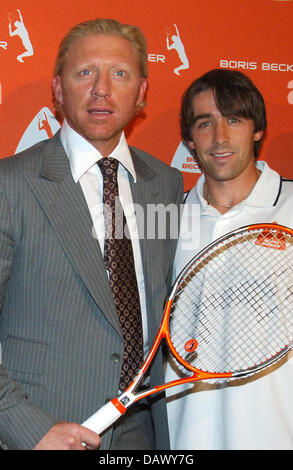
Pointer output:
x,y
27,159
169,179
154,162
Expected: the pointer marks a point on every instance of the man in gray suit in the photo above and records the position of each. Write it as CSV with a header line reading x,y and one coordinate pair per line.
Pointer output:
x,y
62,345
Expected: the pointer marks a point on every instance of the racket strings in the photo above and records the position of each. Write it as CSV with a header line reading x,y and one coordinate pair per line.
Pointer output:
x,y
236,302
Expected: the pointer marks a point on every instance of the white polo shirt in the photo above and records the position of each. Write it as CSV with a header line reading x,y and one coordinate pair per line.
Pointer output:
x,y
253,413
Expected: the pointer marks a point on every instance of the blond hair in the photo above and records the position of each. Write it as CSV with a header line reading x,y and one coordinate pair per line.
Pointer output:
x,y
104,26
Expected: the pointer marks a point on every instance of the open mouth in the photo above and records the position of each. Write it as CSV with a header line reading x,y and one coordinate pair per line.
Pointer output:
x,y
222,154
99,111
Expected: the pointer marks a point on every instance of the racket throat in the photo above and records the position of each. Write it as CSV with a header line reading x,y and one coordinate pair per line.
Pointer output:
x,y
124,401
128,397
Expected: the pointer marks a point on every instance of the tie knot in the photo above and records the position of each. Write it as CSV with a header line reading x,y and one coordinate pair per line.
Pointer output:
x,y
108,166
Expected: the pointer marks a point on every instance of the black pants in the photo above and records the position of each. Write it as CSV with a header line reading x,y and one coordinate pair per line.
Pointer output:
x,y
134,430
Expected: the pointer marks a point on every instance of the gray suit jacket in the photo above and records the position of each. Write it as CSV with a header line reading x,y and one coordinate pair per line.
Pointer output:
x,y
60,335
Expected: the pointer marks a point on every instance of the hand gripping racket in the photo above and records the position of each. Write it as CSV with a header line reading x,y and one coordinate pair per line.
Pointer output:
x,y
229,314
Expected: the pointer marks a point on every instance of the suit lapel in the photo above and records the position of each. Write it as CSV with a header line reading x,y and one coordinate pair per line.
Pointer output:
x,y
65,207
146,191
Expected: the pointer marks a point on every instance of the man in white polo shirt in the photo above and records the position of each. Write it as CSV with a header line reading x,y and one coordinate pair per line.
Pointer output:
x,y
223,120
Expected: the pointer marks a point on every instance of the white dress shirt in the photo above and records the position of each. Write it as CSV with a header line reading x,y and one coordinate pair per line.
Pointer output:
x,y
83,159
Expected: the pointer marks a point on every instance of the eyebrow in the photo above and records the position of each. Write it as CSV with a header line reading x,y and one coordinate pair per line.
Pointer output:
x,y
211,115
201,116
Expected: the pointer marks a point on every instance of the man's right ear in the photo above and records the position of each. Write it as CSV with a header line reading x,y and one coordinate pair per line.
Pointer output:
x,y
57,89
190,144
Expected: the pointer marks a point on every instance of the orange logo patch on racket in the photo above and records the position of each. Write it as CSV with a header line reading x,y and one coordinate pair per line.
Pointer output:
x,y
191,345
271,239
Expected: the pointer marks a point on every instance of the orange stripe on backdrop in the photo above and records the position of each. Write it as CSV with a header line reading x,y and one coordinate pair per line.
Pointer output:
x,y
255,37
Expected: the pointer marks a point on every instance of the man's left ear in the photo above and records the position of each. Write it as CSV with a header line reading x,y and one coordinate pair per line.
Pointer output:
x,y
143,87
258,135
141,96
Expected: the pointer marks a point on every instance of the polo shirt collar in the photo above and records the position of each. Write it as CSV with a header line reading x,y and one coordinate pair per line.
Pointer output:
x,y
266,191
264,194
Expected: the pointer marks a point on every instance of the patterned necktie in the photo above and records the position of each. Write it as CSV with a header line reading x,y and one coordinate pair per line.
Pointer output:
x,y
119,260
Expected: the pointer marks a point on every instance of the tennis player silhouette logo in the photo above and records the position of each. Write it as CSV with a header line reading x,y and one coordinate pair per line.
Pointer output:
x,y
43,126
174,41
19,29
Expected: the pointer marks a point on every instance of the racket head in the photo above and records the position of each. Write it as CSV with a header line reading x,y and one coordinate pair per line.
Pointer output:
x,y
229,312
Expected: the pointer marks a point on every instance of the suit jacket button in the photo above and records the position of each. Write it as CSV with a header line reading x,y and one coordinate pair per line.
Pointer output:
x,y
115,357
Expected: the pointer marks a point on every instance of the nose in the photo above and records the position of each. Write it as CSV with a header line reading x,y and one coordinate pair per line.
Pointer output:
x,y
221,133
101,86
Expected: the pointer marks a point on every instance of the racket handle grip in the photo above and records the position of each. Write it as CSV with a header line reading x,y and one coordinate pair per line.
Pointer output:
x,y
103,418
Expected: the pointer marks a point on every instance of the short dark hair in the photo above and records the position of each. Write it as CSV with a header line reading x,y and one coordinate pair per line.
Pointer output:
x,y
235,95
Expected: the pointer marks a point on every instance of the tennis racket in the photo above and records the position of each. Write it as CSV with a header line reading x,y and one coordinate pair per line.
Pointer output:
x,y
229,314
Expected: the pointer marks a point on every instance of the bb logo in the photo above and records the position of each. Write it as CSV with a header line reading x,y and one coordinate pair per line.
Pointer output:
x,y
268,239
43,126
174,41
183,160
191,345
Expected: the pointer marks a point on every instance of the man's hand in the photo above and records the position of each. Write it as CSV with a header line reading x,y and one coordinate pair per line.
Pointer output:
x,y
69,436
